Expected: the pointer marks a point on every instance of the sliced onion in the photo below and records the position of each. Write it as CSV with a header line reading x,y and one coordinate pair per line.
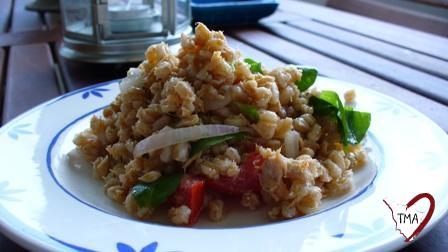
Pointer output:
x,y
275,93
135,78
292,144
170,137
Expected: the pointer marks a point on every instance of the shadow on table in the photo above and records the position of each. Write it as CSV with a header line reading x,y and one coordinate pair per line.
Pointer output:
x,y
77,74
435,240
7,245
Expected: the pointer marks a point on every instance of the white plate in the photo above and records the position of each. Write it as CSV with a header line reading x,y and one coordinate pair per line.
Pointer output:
x,y
45,204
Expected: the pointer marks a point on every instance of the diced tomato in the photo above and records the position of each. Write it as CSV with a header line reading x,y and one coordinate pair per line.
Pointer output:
x,y
191,194
247,180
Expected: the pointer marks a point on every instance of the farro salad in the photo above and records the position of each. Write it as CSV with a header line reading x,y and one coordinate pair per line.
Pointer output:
x,y
194,130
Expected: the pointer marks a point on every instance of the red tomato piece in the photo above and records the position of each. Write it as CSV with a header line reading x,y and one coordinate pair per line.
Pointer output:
x,y
247,180
191,194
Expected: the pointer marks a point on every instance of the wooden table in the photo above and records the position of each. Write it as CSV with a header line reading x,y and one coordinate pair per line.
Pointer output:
x,y
406,64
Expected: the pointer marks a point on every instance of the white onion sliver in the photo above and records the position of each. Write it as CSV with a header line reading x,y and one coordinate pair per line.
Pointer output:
x,y
135,78
292,144
166,138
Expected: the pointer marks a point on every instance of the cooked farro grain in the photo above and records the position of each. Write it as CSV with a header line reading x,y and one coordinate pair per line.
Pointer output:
x,y
179,215
350,96
289,158
215,209
150,176
250,200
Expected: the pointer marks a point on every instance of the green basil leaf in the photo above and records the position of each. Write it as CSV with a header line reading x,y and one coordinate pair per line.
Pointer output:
x,y
358,124
249,111
206,143
309,76
332,98
155,193
327,104
347,137
255,67
322,107
352,124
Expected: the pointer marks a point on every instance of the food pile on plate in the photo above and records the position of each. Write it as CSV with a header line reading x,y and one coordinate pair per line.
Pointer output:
x,y
195,129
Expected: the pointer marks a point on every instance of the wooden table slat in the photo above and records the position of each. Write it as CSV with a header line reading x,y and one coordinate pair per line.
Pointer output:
x,y
29,37
411,58
395,14
5,14
2,77
410,78
23,20
248,51
30,79
295,54
416,40
282,16
2,65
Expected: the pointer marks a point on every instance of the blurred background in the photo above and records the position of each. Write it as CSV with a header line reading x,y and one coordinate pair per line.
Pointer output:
x,y
118,31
